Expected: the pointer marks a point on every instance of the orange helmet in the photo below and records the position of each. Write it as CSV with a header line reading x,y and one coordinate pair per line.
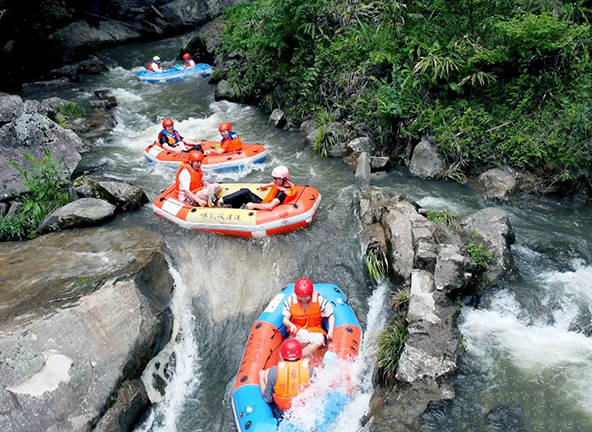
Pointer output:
x,y
186,56
303,287
195,156
167,122
291,350
224,127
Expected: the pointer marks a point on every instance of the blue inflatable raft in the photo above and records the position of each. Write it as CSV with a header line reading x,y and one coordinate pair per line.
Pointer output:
x,y
200,70
251,412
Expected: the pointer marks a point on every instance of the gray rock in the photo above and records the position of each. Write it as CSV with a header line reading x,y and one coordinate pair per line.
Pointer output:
x,y
505,418
3,209
371,204
59,82
310,130
124,196
277,118
225,92
194,12
451,269
83,191
337,150
497,183
373,238
91,66
54,102
131,400
493,225
89,316
104,93
81,34
363,169
30,134
14,209
426,162
11,108
379,162
83,212
360,145
35,107
103,104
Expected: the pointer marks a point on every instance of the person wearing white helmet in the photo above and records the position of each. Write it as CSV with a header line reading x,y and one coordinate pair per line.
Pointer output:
x,y
154,65
282,191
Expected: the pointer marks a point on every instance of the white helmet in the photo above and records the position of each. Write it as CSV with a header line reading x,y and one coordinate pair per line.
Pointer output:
x,y
156,58
281,172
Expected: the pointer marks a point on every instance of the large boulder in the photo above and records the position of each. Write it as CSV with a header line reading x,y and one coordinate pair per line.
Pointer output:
x,y
426,162
11,108
124,196
81,314
30,134
81,34
309,129
225,92
90,66
80,213
496,183
194,12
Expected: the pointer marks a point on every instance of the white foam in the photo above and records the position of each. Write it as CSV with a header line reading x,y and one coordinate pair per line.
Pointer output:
x,y
439,203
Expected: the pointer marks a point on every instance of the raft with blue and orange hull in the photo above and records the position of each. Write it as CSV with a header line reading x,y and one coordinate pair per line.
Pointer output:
x,y
251,412
249,154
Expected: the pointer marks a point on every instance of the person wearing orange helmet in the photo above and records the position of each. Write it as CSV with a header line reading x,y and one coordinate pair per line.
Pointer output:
x,y
171,140
190,186
280,384
230,142
304,313
154,65
282,191
189,63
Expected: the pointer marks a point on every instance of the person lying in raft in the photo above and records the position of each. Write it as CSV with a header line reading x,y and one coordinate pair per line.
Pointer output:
x,y
170,139
190,186
189,63
154,65
230,142
282,190
280,384
303,315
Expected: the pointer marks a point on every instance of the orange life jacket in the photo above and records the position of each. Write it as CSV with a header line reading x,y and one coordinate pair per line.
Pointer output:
x,y
292,377
196,178
172,137
231,143
154,66
311,319
290,193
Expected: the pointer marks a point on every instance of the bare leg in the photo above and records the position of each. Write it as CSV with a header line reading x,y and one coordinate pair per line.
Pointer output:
x,y
309,349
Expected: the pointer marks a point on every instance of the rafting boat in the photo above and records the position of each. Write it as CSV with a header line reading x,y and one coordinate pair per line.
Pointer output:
x,y
200,70
298,213
251,412
249,154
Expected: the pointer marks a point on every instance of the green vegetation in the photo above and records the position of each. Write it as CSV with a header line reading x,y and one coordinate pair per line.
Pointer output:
x,y
444,217
377,264
390,347
478,254
492,81
400,298
47,192
68,111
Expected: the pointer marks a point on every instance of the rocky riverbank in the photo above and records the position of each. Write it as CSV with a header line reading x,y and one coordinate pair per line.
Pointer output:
x,y
81,314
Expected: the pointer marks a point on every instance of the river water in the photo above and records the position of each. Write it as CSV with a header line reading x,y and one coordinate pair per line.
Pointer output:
x,y
527,343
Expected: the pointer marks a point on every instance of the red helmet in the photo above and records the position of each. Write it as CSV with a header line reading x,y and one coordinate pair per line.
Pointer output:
x,y
195,155
291,350
186,56
224,127
167,122
303,287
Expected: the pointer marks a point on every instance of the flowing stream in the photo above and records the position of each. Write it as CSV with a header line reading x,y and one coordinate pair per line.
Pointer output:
x,y
526,344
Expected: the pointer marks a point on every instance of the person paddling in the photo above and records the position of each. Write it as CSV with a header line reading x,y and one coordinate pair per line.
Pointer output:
x,y
154,65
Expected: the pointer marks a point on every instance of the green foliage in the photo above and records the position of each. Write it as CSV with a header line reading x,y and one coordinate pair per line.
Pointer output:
x,y
492,82
400,298
377,264
47,192
390,347
478,254
70,110
443,217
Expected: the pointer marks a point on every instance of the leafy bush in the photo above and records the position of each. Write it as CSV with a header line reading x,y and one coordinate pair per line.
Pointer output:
x,y
377,264
478,254
47,192
443,216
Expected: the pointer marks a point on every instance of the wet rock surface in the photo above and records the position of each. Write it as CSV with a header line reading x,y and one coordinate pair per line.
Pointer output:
x,y
88,316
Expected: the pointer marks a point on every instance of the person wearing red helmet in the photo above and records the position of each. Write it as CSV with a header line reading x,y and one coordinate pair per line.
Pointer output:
x,y
190,186
154,65
189,63
171,140
230,142
282,191
304,313
280,384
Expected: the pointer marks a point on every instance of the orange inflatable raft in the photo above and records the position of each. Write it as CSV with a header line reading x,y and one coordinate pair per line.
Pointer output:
x,y
249,154
297,213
